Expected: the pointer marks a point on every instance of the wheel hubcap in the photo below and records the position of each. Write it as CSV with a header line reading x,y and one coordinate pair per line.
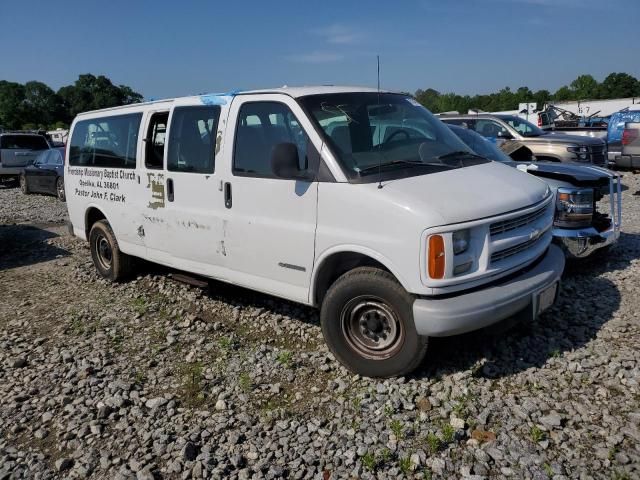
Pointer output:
x,y
372,327
104,252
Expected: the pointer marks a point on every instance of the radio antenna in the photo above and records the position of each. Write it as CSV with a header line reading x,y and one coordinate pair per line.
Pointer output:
x,y
379,131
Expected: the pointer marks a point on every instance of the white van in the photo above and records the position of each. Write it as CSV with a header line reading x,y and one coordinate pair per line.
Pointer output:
x,y
352,200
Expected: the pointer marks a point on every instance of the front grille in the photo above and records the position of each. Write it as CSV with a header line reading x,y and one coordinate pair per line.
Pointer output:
x,y
521,247
597,155
513,223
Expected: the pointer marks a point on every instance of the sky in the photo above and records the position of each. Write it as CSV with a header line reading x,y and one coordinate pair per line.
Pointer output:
x,y
174,48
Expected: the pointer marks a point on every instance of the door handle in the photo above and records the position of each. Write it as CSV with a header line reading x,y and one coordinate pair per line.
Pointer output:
x,y
227,195
170,189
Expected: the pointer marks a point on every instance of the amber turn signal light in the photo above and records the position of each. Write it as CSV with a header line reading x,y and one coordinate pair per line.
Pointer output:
x,y
436,257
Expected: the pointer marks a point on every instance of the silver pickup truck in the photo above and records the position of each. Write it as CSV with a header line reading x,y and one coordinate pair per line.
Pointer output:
x,y
17,151
523,140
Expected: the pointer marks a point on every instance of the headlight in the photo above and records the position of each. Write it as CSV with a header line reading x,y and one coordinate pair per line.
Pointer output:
x,y
574,207
577,149
460,239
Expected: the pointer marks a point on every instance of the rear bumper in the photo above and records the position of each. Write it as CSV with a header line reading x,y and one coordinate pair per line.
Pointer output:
x,y
627,161
442,317
11,171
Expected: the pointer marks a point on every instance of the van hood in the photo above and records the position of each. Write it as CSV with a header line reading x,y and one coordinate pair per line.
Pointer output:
x,y
466,194
554,137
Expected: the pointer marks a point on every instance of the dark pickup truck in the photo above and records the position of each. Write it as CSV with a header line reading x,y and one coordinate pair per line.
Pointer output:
x,y
17,151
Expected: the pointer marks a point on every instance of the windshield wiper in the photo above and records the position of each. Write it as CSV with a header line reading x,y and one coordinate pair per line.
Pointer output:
x,y
459,154
412,163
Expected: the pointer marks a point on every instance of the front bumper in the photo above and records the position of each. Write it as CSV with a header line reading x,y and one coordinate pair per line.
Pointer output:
x,y
581,243
11,171
442,317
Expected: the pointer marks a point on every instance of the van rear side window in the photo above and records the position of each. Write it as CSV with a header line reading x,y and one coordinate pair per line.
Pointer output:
x,y
109,142
192,139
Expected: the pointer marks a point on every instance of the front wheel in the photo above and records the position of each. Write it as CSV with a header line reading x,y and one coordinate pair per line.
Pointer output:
x,y
367,322
24,186
60,189
110,262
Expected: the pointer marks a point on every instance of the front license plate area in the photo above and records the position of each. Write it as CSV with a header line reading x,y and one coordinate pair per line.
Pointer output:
x,y
545,299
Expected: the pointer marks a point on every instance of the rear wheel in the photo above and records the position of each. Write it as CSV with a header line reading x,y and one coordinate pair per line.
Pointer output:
x,y
24,187
60,189
110,262
367,322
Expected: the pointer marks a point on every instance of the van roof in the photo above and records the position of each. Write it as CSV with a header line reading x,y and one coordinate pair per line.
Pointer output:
x,y
221,98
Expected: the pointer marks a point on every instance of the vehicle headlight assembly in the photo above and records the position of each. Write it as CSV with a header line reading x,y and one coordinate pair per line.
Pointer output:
x,y
460,239
574,207
581,153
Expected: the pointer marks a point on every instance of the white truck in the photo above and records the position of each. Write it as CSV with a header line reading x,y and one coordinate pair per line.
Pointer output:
x,y
355,201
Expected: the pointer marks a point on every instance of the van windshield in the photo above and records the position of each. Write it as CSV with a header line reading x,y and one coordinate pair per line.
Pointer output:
x,y
382,136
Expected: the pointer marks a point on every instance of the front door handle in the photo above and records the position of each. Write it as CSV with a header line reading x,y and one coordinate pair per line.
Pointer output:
x,y
227,195
170,189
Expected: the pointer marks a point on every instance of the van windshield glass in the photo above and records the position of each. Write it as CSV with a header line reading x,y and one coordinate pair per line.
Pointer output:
x,y
373,133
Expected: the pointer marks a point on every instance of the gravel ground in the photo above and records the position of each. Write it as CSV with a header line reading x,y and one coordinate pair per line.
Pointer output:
x,y
157,379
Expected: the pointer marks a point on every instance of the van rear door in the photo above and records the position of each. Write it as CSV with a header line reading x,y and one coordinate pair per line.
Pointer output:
x,y
181,211
21,150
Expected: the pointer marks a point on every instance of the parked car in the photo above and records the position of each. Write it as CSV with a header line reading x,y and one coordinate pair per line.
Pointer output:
x,y
356,201
18,150
579,227
46,175
617,124
523,141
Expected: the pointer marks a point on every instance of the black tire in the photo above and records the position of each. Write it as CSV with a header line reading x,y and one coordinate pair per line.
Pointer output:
x,y
110,262
367,322
60,189
24,187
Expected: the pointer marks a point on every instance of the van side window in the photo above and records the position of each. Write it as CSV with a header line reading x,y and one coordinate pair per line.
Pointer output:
x,y
109,142
261,126
192,139
155,140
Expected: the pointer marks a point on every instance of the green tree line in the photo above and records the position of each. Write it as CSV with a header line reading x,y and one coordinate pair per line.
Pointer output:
x,y
35,105
615,85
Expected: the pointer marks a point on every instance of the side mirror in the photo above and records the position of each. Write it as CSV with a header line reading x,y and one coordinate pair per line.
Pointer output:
x,y
503,134
285,162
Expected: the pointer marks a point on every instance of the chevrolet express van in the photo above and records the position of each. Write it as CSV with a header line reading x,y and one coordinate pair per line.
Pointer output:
x,y
355,201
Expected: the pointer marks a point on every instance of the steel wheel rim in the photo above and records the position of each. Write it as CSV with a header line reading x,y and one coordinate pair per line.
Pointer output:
x,y
104,253
371,327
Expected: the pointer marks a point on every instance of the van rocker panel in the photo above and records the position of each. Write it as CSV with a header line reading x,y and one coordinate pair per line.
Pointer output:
x,y
443,317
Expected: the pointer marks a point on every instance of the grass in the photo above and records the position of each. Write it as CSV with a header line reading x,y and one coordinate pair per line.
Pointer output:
x,y
225,344
285,358
385,455
191,380
433,442
448,433
537,435
548,470
426,474
140,377
356,402
555,353
140,305
369,461
397,428
405,465
244,382
388,410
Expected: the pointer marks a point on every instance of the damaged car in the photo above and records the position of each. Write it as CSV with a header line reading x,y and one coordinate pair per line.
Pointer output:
x,y
581,226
